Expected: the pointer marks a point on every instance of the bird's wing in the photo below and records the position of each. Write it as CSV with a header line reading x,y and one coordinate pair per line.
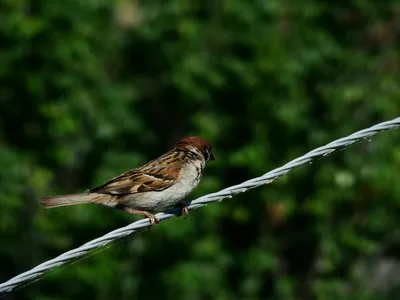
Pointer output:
x,y
151,177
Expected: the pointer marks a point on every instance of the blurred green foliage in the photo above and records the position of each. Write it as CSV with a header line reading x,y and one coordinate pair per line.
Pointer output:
x,y
89,89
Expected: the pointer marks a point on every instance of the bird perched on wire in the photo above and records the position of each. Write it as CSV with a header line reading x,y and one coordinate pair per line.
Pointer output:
x,y
161,184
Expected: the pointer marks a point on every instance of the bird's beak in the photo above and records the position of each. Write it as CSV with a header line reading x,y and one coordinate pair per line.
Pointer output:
x,y
212,157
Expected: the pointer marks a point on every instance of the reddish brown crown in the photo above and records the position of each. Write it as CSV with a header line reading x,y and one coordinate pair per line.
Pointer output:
x,y
195,141
203,145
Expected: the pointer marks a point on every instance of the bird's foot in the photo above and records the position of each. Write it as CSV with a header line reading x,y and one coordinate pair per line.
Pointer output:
x,y
152,218
184,209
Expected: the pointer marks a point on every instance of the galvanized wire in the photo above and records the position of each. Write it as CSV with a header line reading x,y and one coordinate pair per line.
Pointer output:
x,y
135,227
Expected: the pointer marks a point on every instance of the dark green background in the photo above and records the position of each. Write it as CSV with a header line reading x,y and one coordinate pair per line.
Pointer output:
x,y
89,89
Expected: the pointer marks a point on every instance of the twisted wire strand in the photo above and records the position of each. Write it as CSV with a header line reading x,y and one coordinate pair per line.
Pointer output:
x,y
135,227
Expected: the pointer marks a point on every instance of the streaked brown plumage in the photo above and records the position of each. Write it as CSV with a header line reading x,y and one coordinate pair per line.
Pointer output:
x,y
158,185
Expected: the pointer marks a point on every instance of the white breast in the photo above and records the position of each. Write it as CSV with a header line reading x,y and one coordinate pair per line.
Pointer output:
x,y
168,198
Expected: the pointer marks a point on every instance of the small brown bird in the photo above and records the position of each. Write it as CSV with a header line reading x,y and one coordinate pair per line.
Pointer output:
x,y
161,184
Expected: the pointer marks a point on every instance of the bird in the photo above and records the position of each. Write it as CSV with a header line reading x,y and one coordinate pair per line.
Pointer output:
x,y
161,184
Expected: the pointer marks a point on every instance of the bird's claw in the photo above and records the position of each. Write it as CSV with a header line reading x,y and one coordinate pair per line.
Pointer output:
x,y
153,220
185,211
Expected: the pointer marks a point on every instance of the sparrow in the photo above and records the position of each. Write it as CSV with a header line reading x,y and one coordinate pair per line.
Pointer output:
x,y
161,184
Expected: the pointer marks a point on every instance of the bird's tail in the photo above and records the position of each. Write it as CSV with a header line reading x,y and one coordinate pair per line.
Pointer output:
x,y
55,201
